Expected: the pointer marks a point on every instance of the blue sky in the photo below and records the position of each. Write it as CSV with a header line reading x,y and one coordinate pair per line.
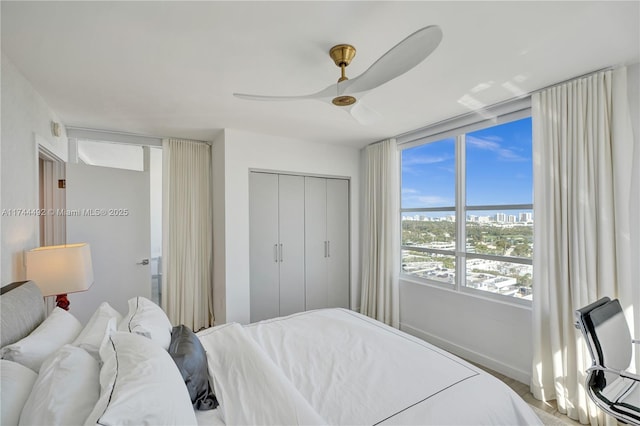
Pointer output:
x,y
499,168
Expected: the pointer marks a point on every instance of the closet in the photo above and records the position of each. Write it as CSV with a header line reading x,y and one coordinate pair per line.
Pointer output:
x,y
299,243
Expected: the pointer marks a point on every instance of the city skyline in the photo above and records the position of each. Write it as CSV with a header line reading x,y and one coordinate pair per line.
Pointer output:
x,y
497,216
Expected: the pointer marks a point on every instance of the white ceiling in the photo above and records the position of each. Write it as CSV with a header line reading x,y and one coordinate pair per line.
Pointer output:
x,y
170,68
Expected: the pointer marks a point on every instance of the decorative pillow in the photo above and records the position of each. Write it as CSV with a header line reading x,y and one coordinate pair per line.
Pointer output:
x,y
147,319
191,359
66,390
140,384
104,319
58,329
17,381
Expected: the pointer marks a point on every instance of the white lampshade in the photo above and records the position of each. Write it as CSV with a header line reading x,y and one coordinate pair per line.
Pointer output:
x,y
60,269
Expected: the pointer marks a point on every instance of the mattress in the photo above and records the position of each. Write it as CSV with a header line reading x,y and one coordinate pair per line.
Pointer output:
x,y
335,366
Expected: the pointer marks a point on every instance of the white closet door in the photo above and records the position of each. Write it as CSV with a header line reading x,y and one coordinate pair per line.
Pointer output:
x,y
338,242
291,245
263,231
316,243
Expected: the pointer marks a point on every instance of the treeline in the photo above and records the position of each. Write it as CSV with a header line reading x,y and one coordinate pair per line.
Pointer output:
x,y
483,238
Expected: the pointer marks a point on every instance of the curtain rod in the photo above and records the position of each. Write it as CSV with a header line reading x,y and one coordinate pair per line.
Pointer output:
x,y
496,105
589,74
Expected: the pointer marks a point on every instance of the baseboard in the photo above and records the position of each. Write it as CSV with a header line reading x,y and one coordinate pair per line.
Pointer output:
x,y
470,355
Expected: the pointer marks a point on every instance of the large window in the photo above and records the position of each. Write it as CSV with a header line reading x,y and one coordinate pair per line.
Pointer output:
x,y
467,210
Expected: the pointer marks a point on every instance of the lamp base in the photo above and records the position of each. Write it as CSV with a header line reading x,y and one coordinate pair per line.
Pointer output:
x,y
62,302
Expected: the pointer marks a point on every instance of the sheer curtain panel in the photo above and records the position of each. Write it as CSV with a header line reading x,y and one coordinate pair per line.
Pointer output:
x,y
583,191
187,292
380,233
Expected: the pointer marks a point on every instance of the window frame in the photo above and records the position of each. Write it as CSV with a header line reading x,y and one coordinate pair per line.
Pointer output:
x,y
458,128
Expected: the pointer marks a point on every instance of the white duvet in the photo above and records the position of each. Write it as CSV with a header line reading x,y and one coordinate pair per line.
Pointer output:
x,y
335,366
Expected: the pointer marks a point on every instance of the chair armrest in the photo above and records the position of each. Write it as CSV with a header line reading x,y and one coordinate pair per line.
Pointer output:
x,y
621,373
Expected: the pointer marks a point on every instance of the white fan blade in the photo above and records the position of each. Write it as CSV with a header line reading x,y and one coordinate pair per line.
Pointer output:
x,y
364,114
397,61
270,98
327,93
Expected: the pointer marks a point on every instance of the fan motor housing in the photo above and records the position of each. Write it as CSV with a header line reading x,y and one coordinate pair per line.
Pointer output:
x,y
342,54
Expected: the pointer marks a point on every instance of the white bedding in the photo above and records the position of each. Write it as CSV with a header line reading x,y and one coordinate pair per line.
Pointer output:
x,y
335,366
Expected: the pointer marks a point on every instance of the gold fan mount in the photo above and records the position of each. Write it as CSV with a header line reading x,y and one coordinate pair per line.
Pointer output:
x,y
342,54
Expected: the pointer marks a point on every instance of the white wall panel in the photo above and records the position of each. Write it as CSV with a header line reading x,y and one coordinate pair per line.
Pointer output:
x,y
494,334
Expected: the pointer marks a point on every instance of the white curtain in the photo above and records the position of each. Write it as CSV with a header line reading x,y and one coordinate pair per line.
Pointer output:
x,y
187,234
380,233
583,192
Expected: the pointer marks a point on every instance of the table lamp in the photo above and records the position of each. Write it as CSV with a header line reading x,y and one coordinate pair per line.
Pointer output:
x,y
59,270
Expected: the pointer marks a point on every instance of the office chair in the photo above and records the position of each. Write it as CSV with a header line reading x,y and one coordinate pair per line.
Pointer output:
x,y
609,385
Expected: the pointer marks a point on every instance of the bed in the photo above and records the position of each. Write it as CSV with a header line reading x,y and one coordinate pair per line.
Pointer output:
x,y
330,366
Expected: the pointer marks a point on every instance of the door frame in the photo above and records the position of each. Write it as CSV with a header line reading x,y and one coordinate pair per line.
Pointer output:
x,y
50,174
52,223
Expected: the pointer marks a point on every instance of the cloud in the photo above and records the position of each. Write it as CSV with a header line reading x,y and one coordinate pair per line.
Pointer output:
x,y
433,200
410,191
415,165
492,143
417,199
425,159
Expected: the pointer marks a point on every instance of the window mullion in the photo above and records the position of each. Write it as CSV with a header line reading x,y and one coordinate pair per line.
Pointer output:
x,y
460,212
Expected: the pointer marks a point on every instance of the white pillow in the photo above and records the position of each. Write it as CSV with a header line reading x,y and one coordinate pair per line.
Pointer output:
x,y
147,319
16,383
103,320
66,390
58,329
140,384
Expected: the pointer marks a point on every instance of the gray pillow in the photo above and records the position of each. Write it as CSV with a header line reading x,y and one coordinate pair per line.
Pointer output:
x,y
189,355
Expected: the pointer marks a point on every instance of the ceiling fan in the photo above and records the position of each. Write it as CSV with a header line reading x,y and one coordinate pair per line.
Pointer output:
x,y
347,93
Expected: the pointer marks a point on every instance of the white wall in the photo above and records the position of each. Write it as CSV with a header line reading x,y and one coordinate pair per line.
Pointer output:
x,y
243,151
25,118
496,335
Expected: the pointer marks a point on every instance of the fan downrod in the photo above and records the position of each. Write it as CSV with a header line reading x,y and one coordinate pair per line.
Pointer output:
x,y
342,54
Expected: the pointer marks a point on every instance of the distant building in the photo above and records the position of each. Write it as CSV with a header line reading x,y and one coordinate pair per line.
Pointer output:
x,y
525,217
501,217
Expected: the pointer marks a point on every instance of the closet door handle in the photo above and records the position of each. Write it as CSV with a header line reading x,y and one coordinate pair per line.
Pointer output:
x,y
328,248
280,252
325,248
275,253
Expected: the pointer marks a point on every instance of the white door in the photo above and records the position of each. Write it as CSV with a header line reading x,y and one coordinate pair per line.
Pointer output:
x,y
291,240
316,244
263,246
338,242
109,209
